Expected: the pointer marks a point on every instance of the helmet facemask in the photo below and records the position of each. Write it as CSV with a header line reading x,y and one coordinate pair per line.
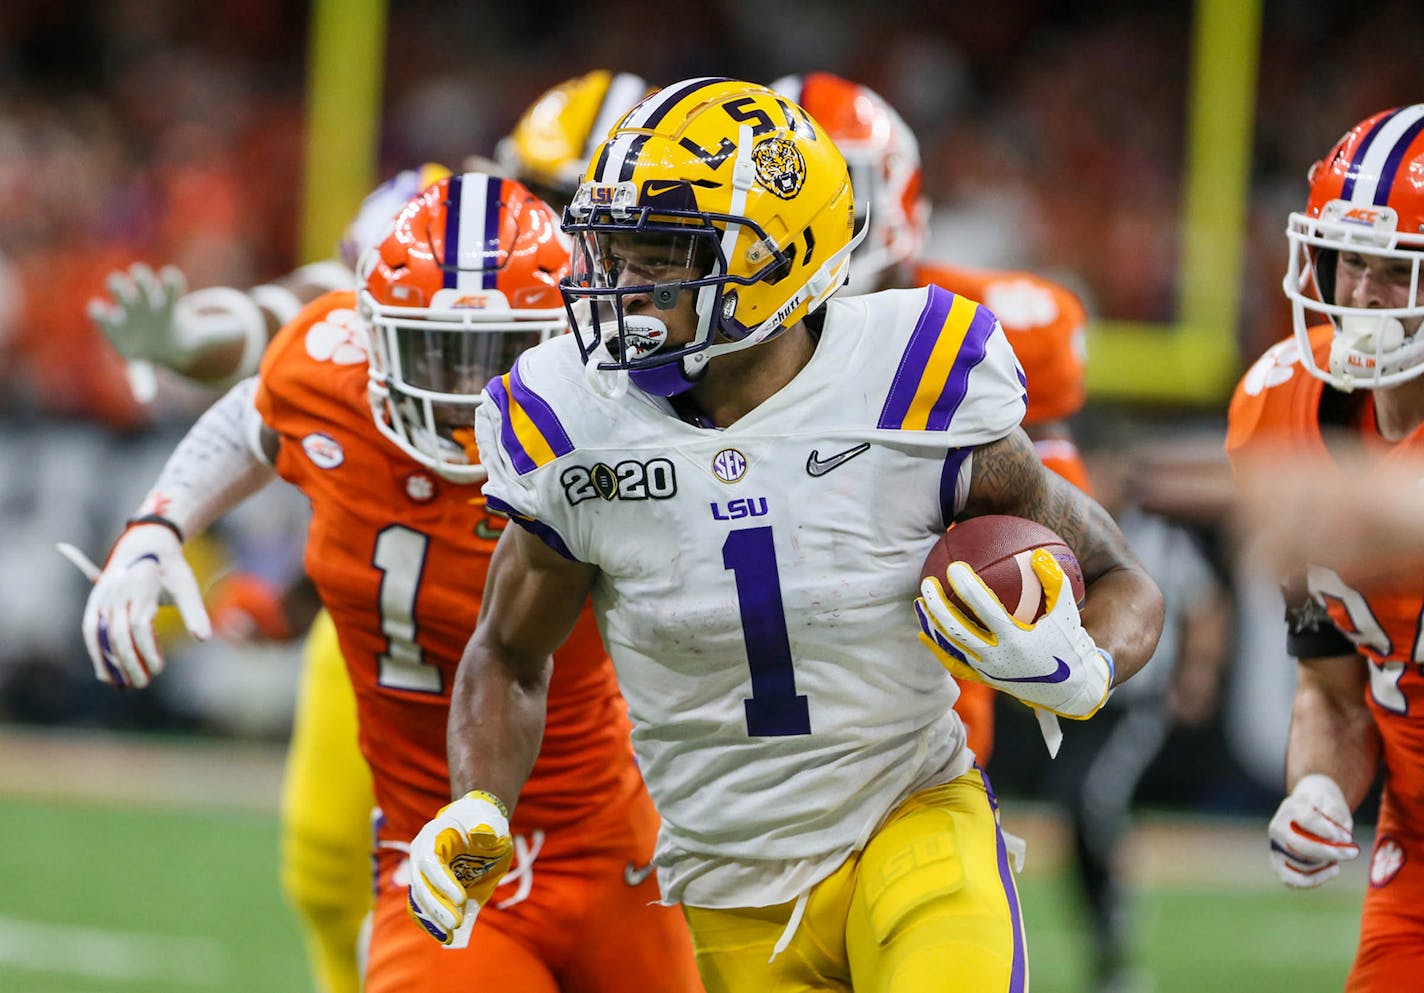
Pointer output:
x,y
624,251
465,280
1373,347
429,367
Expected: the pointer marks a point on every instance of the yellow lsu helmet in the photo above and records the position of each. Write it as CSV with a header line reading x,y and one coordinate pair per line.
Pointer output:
x,y
743,190
549,148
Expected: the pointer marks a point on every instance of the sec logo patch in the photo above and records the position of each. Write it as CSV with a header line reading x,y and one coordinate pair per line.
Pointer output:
x,y
729,465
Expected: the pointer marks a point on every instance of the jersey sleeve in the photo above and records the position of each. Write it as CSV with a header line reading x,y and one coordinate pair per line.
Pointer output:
x,y
1045,323
517,432
293,379
955,380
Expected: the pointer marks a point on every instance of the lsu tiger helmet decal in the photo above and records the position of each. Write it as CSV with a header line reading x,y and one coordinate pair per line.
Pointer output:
x,y
725,190
550,146
884,161
1364,220
466,280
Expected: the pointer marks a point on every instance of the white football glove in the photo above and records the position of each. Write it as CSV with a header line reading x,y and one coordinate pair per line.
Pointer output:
x,y
146,561
456,861
1051,664
139,319
1311,833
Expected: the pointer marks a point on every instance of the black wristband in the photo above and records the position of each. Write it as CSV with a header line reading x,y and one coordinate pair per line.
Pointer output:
x,y
156,519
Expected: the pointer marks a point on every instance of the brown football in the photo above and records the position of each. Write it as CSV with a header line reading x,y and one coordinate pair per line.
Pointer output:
x,y
999,547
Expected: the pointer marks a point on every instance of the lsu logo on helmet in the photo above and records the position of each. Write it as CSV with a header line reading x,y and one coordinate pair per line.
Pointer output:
x,y
779,166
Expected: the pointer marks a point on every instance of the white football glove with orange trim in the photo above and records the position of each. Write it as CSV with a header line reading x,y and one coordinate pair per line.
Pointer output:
x,y
1312,833
1051,664
456,861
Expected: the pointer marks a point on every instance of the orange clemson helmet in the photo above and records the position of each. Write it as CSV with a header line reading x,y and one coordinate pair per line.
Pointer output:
x,y
884,161
466,279
1367,204
374,216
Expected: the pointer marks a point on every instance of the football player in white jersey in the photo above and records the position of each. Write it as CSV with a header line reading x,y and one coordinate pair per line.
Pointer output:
x,y
747,478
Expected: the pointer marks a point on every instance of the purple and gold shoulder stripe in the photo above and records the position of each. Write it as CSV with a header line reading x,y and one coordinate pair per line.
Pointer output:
x,y
529,429
950,338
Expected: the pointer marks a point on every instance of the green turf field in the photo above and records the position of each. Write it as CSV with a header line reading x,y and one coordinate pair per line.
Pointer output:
x,y
96,899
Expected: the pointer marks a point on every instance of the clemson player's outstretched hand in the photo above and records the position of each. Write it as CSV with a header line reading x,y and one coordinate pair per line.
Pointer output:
x,y
146,563
1050,664
1312,833
456,861
139,316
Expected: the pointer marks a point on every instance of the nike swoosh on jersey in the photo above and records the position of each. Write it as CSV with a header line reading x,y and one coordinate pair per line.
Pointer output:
x,y
635,875
1056,676
817,466
483,529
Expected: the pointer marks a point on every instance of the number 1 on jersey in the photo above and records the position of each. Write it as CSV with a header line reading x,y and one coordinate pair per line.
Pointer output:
x,y
400,558
774,709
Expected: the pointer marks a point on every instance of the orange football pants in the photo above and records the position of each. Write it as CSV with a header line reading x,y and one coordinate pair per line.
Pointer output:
x,y
1391,952
586,922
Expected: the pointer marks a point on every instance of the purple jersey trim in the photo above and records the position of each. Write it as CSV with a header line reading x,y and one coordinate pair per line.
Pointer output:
x,y
949,483
533,525
915,357
973,350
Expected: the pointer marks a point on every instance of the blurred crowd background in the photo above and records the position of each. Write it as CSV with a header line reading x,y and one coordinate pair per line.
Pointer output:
x,y
1053,137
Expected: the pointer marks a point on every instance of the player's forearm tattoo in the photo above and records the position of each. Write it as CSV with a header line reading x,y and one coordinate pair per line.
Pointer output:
x,y
1008,478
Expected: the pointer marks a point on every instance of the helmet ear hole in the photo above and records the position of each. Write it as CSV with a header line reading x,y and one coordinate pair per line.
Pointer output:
x,y
778,272
1324,266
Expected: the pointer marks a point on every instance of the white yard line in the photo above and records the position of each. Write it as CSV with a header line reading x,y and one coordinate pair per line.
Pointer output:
x,y
123,956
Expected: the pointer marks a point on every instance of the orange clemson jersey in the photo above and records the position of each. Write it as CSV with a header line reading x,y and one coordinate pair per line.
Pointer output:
x,y
399,558
1279,406
1044,323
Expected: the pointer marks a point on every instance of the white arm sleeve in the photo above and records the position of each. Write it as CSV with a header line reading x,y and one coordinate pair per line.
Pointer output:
x,y
215,467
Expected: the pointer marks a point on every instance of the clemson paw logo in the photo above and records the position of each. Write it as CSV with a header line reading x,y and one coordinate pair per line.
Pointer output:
x,y
779,166
338,338
1277,366
1386,862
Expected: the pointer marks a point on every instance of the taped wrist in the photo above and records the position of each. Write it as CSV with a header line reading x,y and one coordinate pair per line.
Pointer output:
x,y
1310,634
158,519
213,468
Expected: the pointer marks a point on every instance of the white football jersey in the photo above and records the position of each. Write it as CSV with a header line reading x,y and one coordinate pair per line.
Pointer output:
x,y
757,582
